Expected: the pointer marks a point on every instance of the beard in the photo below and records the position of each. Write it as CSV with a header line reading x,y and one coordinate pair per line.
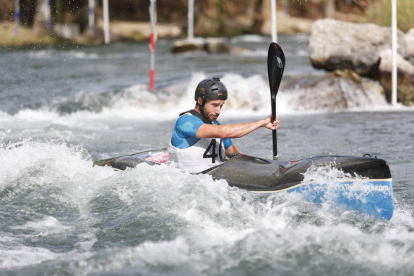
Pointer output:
x,y
211,117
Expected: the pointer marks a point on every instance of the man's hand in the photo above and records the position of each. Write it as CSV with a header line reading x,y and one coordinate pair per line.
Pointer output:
x,y
267,123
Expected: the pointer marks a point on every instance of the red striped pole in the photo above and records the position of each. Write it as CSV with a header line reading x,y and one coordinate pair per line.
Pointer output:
x,y
314,10
348,9
152,43
152,50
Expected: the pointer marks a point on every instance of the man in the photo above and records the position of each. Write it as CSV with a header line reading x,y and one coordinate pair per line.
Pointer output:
x,y
198,141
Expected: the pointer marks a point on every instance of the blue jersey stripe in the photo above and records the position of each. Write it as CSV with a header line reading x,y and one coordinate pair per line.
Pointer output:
x,y
185,129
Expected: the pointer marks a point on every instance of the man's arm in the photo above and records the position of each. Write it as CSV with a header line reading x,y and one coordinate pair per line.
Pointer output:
x,y
235,131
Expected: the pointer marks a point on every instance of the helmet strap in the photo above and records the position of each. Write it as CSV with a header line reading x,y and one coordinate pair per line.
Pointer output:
x,y
201,108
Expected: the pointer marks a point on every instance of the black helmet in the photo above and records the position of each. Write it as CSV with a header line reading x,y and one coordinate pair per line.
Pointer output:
x,y
211,89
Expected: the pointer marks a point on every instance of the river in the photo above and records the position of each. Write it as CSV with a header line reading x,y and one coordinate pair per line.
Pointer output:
x,y
62,108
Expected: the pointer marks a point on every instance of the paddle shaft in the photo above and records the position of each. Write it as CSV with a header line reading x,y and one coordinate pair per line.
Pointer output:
x,y
274,132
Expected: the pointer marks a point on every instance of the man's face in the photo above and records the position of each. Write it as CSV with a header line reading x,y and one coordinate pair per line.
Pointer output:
x,y
212,109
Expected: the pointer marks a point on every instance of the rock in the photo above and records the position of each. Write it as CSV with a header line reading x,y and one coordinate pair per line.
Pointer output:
x,y
182,46
347,74
139,31
67,30
409,39
333,93
340,45
243,51
211,44
239,51
287,25
405,77
216,46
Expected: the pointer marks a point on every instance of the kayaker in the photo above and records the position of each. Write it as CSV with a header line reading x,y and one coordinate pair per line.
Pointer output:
x,y
198,140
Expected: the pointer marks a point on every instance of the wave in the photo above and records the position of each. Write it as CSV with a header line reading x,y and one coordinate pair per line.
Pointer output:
x,y
248,96
152,217
52,54
249,38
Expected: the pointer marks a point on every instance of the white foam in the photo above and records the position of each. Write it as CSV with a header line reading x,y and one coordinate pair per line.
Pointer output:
x,y
46,226
173,253
164,253
82,55
302,53
5,118
212,222
49,54
253,53
39,54
56,160
248,96
249,38
24,256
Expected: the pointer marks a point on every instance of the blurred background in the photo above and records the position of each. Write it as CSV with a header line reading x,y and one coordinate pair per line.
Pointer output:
x,y
130,19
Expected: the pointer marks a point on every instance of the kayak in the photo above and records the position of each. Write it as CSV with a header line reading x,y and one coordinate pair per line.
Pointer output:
x,y
365,184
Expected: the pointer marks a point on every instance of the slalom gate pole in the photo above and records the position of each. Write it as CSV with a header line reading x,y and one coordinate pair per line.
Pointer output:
x,y
274,20
106,21
91,17
190,31
152,43
49,16
314,10
394,51
16,16
285,7
58,7
348,9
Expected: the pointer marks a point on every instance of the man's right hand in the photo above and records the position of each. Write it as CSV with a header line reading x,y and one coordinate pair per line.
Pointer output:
x,y
268,123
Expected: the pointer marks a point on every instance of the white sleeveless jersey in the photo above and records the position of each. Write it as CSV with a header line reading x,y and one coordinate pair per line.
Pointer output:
x,y
204,154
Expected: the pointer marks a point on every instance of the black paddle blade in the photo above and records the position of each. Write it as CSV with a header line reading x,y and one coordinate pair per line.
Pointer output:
x,y
275,67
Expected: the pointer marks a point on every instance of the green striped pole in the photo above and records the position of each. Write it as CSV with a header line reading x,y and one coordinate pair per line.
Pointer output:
x,y
58,11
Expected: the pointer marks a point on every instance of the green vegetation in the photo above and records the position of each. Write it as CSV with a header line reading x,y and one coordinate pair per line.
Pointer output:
x,y
26,36
380,13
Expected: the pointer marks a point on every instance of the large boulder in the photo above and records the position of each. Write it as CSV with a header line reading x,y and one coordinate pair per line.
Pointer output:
x,y
182,46
405,79
141,30
337,91
286,24
409,39
340,45
216,45
212,45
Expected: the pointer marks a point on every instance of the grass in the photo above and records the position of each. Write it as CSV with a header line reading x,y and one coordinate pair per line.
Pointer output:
x,y
380,13
25,37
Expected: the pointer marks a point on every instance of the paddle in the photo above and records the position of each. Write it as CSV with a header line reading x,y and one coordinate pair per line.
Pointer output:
x,y
275,67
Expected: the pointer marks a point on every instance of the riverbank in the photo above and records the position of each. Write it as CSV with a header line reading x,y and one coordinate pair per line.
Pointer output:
x,y
26,36
140,31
